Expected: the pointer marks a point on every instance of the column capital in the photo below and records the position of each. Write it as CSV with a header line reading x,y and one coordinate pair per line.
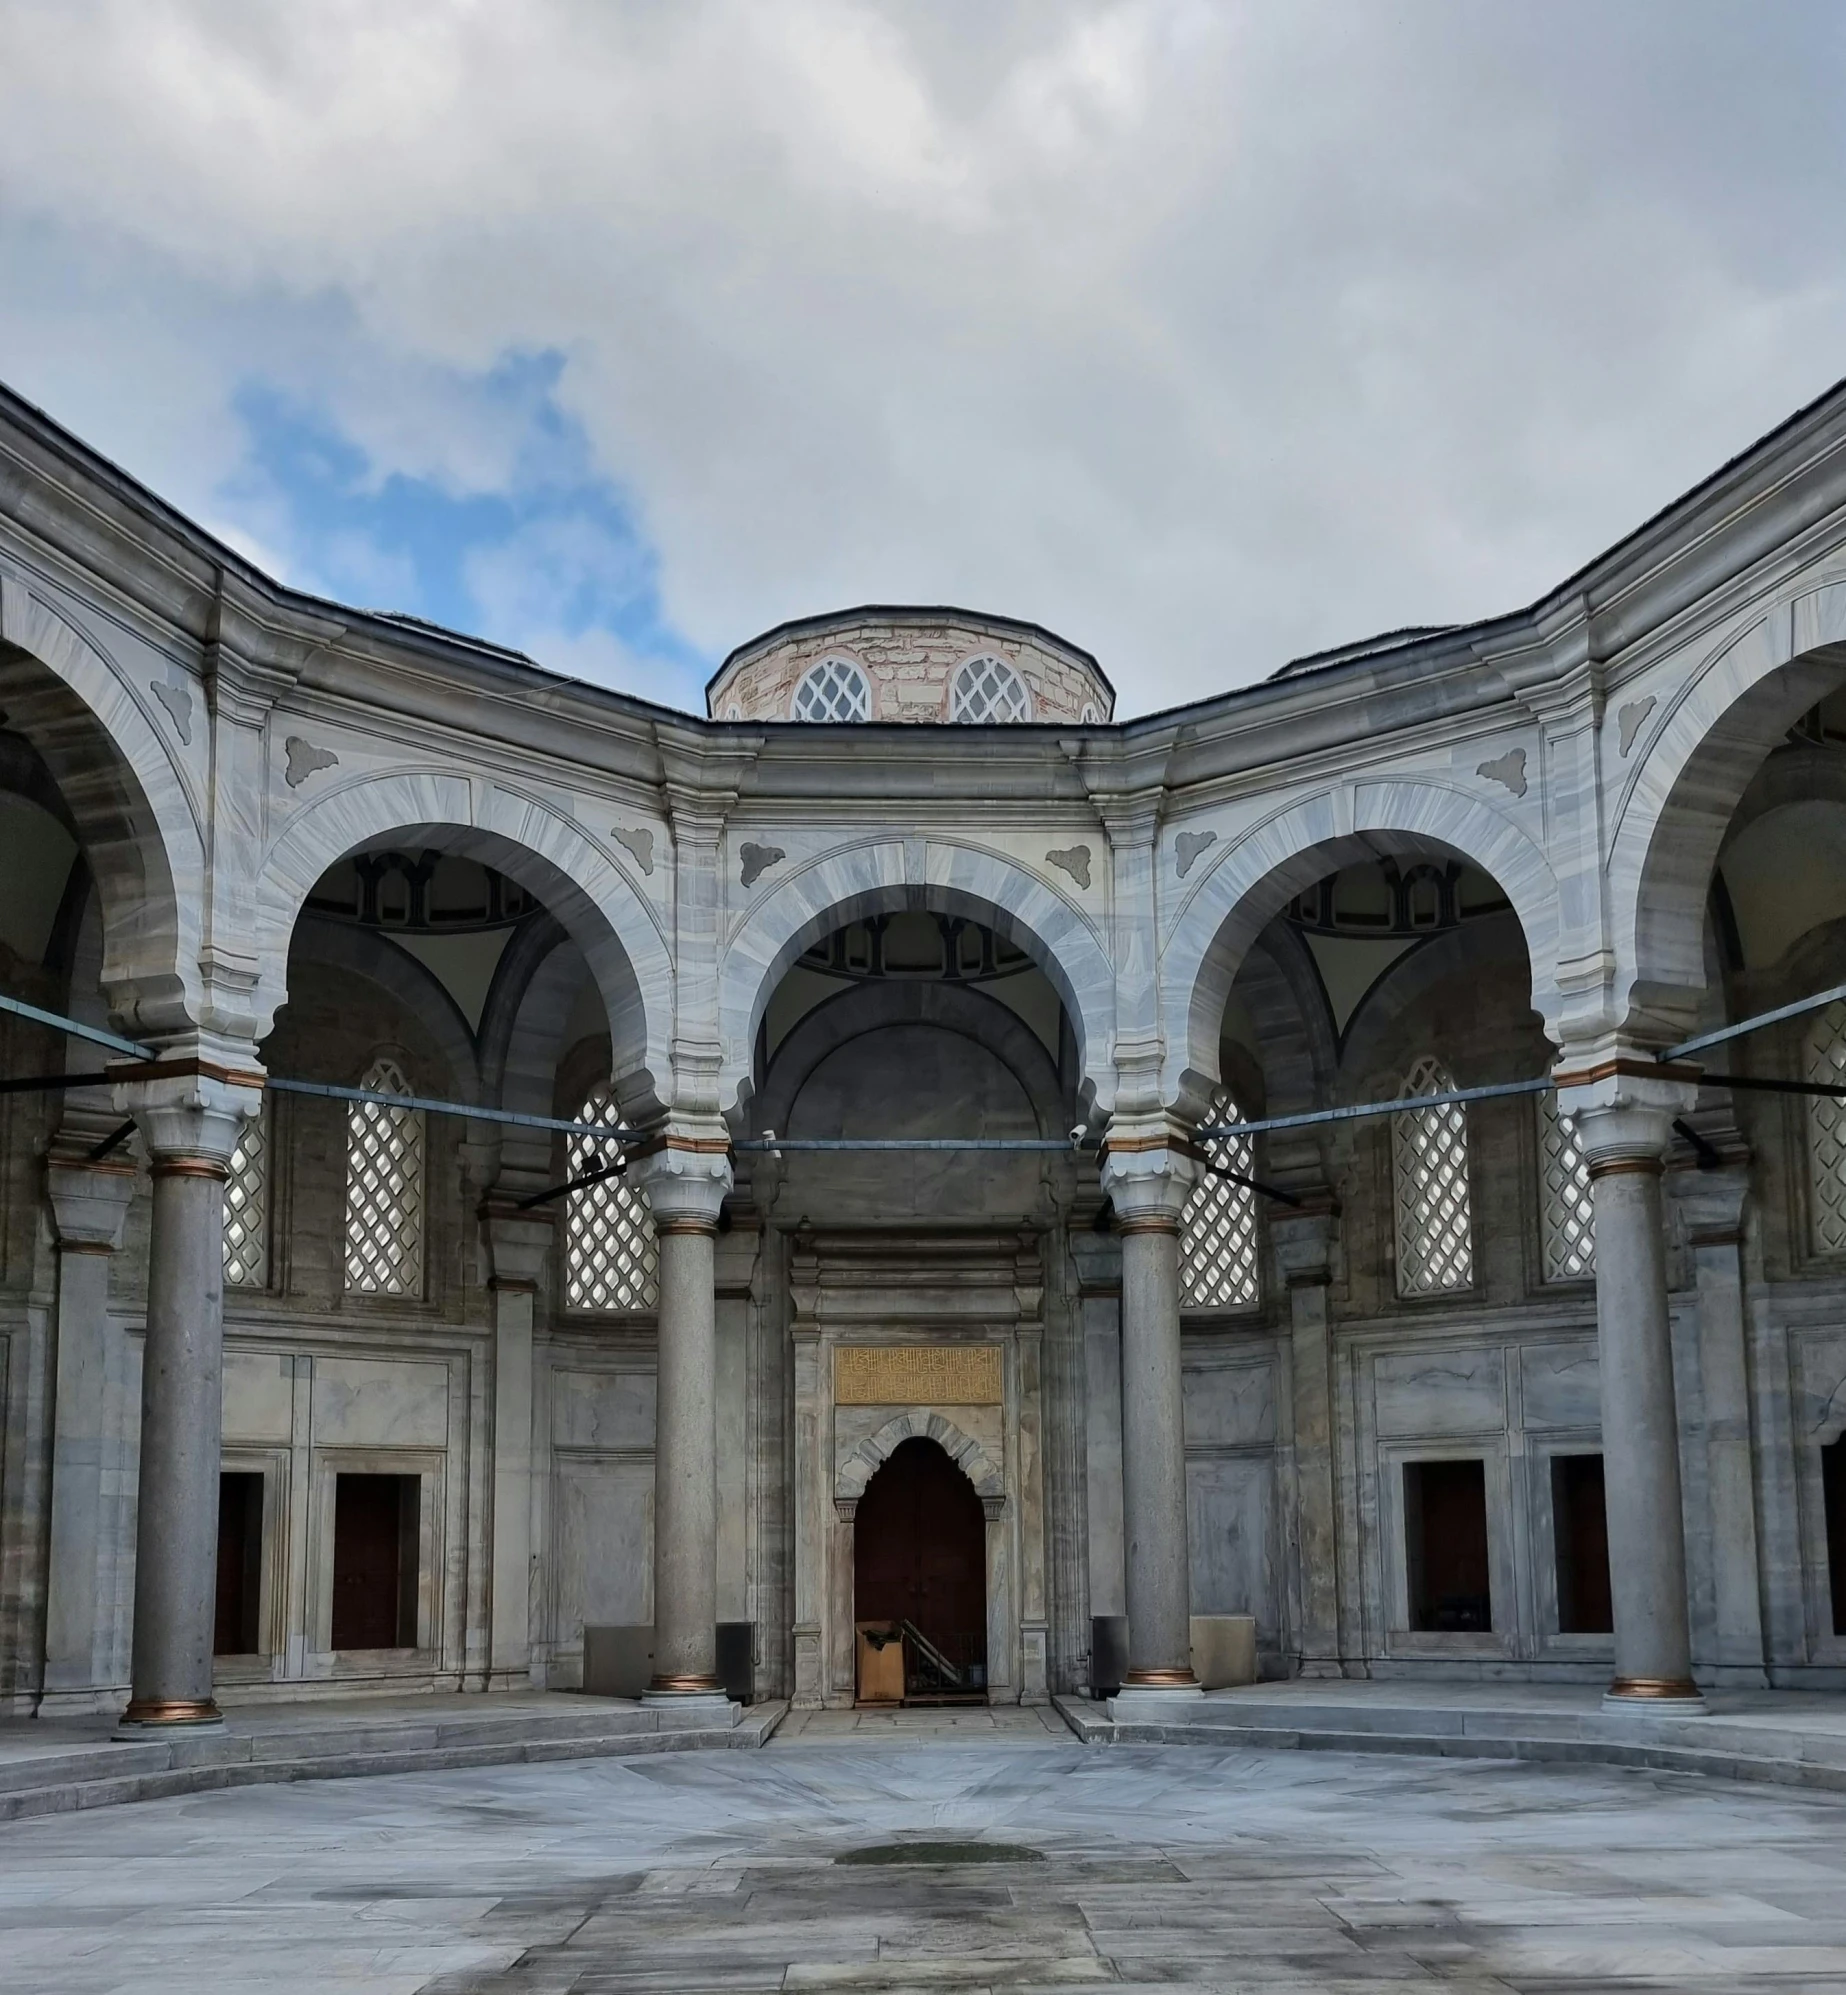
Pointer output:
x,y
1623,1101
89,1201
684,1168
1304,1239
516,1242
1149,1166
192,1105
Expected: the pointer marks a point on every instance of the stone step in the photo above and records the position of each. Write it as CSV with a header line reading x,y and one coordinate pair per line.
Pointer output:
x,y
1780,1754
105,1774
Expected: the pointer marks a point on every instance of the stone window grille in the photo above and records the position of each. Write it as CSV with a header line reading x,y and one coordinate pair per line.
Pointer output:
x,y
246,1207
384,1189
611,1261
1568,1213
834,690
1217,1229
988,690
1826,1065
1429,1170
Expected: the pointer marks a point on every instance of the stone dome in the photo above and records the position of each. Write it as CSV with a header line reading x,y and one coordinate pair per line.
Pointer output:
x,y
885,664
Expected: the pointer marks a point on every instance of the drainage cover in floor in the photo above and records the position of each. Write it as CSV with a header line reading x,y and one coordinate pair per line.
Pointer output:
x,y
942,1853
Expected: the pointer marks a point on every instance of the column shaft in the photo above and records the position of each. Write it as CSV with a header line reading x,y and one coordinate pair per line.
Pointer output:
x,y
176,1532
1640,1432
686,1462
1159,1578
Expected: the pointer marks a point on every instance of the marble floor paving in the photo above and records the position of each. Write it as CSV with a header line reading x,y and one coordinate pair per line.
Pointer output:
x,y
1132,1867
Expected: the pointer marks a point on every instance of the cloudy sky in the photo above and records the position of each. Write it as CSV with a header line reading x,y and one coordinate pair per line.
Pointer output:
x,y
1207,333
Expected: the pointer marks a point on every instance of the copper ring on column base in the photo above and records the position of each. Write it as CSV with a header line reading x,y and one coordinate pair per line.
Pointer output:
x,y
689,1684
1645,1688
191,1167
171,1711
1148,1223
1159,1679
1619,1167
679,1225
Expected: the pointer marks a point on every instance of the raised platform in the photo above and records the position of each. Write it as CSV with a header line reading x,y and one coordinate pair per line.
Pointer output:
x,y
48,1766
1790,1737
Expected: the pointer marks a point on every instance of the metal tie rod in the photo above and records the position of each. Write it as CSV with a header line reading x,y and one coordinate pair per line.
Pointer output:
x,y
1354,1112
472,1111
603,1132
1755,1024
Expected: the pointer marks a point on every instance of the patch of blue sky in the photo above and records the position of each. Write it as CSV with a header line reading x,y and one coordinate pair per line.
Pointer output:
x,y
493,522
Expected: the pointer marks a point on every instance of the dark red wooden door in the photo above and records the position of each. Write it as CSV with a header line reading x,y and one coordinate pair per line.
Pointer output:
x,y
920,1551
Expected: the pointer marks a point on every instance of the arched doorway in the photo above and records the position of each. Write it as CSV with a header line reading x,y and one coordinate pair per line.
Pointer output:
x,y
920,1569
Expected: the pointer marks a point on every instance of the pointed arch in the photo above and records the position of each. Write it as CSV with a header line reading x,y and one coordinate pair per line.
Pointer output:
x,y
580,882
885,877
136,812
962,1449
1263,868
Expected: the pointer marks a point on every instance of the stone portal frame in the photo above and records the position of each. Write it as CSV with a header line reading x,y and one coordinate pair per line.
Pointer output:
x,y
137,809
892,875
580,883
1260,869
1696,744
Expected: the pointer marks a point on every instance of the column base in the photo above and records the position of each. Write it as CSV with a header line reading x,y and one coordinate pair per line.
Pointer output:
x,y
1666,1697
1161,1697
702,1710
153,1717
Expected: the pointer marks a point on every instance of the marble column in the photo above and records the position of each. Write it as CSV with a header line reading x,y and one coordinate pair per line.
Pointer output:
x,y
89,1205
686,1179
1148,1186
517,1244
1623,1137
190,1121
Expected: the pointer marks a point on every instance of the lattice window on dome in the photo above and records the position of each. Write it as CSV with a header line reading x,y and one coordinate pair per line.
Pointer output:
x,y
384,1189
246,1207
834,690
1567,1213
611,1261
1826,1065
1217,1229
1429,1171
986,690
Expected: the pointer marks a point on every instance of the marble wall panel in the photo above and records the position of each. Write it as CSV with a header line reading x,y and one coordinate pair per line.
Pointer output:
x,y
602,1522
380,1403
1560,1385
259,1396
598,1409
1449,1391
1231,1523
1230,1405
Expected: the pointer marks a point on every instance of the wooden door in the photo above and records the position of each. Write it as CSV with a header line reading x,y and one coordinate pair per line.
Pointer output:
x,y
920,1551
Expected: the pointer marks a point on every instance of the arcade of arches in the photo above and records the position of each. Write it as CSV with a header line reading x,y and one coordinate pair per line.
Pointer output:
x,y
957,1279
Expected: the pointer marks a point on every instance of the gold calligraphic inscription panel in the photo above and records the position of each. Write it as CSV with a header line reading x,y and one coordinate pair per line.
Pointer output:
x,y
916,1375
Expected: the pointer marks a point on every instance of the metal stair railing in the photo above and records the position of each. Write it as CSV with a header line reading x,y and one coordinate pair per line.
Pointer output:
x,y
932,1655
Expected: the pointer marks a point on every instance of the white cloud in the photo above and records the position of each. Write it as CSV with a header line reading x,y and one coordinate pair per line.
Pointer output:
x,y
1205,333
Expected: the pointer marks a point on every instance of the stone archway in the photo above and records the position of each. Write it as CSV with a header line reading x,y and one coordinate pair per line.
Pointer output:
x,y
920,1570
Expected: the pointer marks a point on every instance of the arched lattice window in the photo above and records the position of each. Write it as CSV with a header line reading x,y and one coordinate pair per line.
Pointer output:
x,y
835,689
610,1259
1429,1169
1826,1064
988,689
1567,1214
246,1207
1217,1230
384,1189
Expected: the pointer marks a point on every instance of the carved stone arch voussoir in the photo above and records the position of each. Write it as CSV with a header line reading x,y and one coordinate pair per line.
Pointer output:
x,y
962,1449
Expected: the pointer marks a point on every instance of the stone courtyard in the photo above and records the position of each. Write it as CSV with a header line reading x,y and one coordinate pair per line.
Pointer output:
x,y
1175,1868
